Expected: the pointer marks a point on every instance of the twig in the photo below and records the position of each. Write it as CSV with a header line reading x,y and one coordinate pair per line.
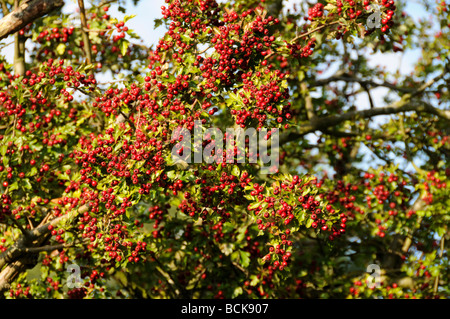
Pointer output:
x,y
4,8
19,59
436,280
314,30
16,223
308,103
164,273
85,35
46,248
105,3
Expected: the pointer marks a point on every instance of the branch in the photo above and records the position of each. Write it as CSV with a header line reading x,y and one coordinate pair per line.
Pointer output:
x,y
166,275
366,83
11,254
43,230
369,95
322,124
10,273
4,8
431,82
15,222
314,30
86,41
308,103
19,48
441,252
418,205
26,13
363,83
105,3
14,252
47,248
21,255
400,106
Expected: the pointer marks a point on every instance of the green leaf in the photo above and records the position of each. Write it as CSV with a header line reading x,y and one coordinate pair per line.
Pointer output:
x,y
61,48
245,258
237,292
3,149
158,22
236,171
254,205
13,187
343,21
124,47
235,255
227,227
227,249
171,175
127,18
241,235
27,183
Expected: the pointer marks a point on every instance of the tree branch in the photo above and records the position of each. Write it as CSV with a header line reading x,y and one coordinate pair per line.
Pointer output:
x,y
43,230
19,48
308,103
4,8
26,13
363,83
14,252
314,30
404,105
441,252
86,41
366,83
16,223
46,248
21,255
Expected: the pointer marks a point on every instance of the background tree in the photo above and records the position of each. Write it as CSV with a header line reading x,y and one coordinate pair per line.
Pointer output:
x,y
87,176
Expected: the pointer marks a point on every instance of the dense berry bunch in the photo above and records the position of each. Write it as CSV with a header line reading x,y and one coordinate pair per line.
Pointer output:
x,y
91,167
77,293
316,11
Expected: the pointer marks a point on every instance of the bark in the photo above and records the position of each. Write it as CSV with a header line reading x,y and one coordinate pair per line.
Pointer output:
x,y
23,254
86,41
19,50
26,13
327,122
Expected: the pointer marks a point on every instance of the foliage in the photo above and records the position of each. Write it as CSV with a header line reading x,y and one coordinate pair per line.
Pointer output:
x,y
87,175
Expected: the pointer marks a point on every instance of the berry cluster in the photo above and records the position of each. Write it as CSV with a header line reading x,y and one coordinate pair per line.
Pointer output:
x,y
77,293
315,12
20,292
5,208
56,34
294,201
298,51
